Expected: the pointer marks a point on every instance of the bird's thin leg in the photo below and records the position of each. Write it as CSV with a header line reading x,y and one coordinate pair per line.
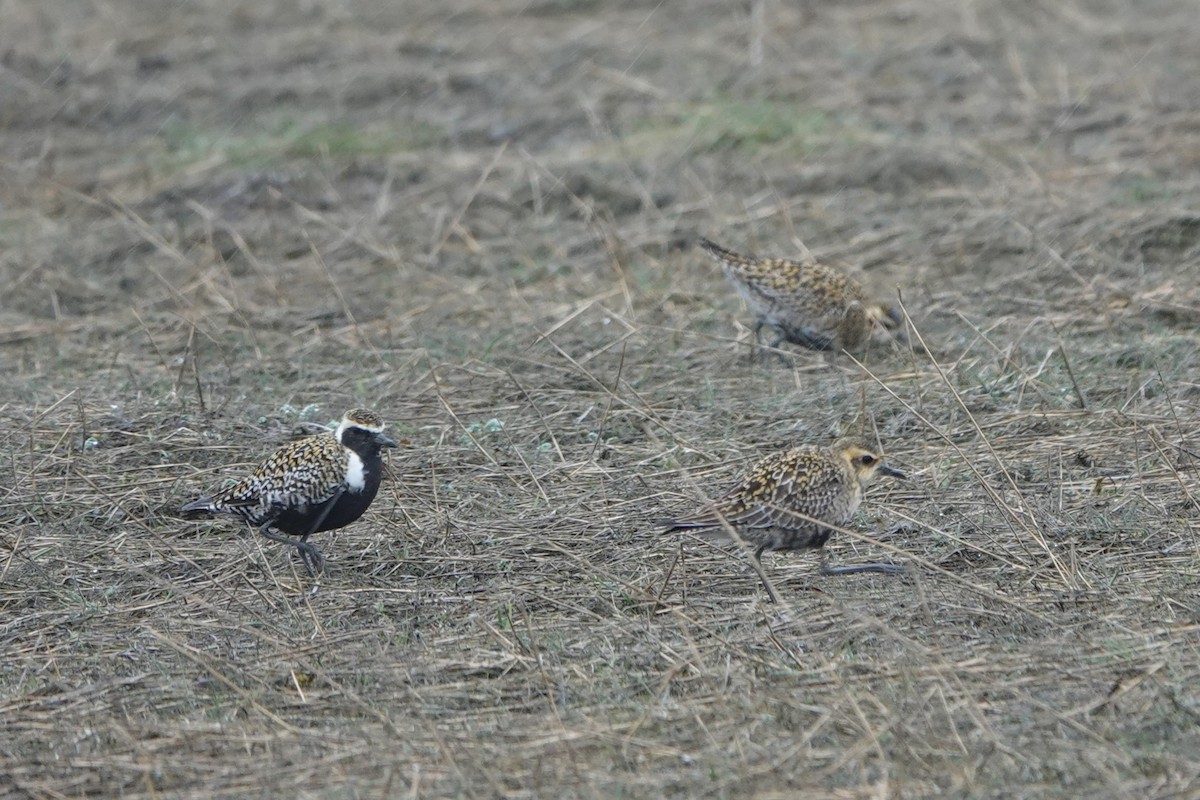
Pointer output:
x,y
309,554
774,348
754,348
762,575
314,562
813,341
888,569
265,530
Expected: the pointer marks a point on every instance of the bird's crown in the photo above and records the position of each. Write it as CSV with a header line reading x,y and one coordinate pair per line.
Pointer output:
x,y
363,418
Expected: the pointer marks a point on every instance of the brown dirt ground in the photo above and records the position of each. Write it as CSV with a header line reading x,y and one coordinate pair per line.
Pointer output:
x,y
220,220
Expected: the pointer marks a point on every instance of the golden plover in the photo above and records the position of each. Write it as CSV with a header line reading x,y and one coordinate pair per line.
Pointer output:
x,y
807,303
316,484
788,498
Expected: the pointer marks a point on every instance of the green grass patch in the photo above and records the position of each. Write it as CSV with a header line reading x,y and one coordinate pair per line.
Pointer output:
x,y
728,124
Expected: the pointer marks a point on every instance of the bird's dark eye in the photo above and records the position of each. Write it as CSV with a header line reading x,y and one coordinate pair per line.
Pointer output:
x,y
867,459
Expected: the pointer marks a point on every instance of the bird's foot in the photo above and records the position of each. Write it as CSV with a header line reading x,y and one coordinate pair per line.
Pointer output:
x,y
314,562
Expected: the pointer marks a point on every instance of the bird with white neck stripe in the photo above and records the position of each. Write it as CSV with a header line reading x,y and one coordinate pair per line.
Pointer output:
x,y
316,484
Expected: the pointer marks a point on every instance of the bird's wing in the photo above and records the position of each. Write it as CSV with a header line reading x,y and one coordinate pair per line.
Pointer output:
x,y
767,498
795,497
293,476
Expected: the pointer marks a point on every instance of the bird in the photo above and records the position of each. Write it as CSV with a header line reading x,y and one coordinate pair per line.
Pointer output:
x,y
807,303
319,483
788,500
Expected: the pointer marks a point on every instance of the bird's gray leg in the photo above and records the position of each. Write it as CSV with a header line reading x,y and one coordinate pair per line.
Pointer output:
x,y
758,326
314,562
888,569
762,575
774,348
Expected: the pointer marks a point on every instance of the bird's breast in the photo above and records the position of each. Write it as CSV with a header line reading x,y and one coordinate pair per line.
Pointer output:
x,y
851,500
356,473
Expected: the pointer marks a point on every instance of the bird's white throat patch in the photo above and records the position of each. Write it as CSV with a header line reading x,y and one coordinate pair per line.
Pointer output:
x,y
356,476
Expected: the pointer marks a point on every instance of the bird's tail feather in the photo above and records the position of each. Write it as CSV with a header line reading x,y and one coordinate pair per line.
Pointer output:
x,y
718,252
198,508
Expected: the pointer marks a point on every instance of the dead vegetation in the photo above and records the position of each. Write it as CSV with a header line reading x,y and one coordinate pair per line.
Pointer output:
x,y
478,219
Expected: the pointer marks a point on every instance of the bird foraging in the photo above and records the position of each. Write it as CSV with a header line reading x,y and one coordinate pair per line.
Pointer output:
x,y
316,484
789,499
807,303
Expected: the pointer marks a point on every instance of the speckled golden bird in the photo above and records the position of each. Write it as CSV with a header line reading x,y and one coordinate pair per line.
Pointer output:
x,y
788,500
807,303
316,484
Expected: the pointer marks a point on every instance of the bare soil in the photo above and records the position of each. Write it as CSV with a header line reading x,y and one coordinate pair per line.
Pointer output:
x,y
222,222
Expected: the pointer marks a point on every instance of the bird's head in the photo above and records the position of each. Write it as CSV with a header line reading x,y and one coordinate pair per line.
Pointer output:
x,y
865,463
887,321
362,426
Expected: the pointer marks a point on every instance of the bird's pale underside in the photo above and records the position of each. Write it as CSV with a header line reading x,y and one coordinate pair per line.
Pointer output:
x,y
789,500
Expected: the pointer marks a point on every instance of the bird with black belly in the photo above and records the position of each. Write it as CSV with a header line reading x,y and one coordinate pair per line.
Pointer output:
x,y
316,484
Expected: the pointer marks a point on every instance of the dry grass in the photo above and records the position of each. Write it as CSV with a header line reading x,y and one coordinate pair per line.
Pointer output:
x,y
211,243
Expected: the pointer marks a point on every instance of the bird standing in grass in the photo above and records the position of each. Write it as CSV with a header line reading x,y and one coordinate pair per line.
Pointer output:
x,y
788,500
316,484
807,303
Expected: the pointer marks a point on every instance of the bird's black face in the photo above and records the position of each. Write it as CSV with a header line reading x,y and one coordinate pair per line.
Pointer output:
x,y
363,441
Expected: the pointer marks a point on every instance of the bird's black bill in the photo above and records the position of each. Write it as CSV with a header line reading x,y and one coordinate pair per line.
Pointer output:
x,y
895,473
385,441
